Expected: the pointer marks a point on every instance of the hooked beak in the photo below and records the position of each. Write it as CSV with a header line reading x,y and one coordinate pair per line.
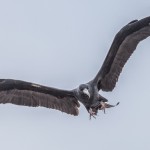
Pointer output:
x,y
85,91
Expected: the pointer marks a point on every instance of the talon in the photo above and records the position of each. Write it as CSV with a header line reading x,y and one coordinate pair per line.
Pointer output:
x,y
104,105
101,106
92,113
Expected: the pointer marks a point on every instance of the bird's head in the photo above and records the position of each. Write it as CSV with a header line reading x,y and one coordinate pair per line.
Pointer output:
x,y
87,95
84,91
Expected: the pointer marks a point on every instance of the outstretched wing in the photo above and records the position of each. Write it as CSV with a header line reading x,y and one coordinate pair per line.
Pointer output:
x,y
125,42
30,94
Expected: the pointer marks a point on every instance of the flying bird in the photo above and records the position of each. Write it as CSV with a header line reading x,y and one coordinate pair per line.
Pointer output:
x,y
34,95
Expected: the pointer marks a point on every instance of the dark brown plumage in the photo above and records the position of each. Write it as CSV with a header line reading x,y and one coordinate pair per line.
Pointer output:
x,y
125,42
30,94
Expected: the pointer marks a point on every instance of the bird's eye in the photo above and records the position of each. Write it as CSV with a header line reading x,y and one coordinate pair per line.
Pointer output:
x,y
81,88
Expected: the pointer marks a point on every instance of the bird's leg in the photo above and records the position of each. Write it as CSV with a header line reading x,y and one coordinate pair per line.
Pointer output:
x,y
104,105
92,113
101,106
104,111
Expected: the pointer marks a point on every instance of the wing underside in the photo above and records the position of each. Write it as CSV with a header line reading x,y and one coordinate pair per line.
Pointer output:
x,y
34,95
124,44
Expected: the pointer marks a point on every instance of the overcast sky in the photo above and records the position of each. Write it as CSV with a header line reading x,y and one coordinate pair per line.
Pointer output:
x,y
62,43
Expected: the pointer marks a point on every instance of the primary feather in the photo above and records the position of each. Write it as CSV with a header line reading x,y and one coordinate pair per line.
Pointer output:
x,y
30,94
124,44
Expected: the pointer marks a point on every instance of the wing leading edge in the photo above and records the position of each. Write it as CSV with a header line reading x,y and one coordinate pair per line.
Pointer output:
x,y
124,44
34,95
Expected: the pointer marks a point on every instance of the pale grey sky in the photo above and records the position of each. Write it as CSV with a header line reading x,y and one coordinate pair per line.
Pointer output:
x,y
62,43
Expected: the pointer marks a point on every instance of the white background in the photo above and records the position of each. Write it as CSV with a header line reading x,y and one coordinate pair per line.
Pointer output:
x,y
62,43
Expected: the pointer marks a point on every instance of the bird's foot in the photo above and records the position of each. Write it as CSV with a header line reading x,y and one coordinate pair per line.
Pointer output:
x,y
92,113
104,105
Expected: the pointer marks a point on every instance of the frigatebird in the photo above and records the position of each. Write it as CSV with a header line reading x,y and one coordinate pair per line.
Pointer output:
x,y
30,94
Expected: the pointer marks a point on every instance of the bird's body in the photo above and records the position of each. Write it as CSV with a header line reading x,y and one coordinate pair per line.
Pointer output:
x,y
31,94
